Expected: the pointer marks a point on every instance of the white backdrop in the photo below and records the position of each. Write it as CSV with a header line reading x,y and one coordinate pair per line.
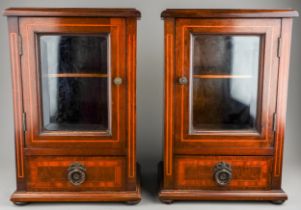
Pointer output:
x,y
150,101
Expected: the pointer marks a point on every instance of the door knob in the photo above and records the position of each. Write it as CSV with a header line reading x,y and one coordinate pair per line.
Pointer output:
x,y
183,80
117,80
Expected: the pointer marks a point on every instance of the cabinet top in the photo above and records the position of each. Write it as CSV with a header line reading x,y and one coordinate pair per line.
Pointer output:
x,y
228,13
72,12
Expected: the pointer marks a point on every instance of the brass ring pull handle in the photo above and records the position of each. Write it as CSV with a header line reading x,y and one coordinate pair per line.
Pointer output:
x,y
183,80
117,80
76,174
222,173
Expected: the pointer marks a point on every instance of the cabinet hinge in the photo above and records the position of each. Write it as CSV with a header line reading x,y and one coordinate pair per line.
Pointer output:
x,y
274,122
24,121
20,45
279,47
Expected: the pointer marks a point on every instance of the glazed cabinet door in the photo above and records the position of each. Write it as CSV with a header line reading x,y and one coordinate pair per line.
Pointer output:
x,y
74,82
225,85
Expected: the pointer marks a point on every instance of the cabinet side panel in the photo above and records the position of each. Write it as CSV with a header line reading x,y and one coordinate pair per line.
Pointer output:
x,y
14,41
283,74
131,98
169,27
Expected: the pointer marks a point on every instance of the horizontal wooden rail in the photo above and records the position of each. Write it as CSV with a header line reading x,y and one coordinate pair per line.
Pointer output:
x,y
71,75
222,76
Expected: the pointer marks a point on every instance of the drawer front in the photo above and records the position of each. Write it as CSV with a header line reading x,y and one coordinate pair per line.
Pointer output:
x,y
75,173
223,172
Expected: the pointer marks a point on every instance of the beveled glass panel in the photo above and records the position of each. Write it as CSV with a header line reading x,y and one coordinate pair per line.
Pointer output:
x,y
224,82
74,80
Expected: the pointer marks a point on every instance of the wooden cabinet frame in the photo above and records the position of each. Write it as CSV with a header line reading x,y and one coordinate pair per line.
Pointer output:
x,y
106,154
187,153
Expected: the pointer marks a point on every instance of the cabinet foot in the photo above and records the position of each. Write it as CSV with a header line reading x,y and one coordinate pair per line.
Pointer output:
x,y
278,202
133,202
18,203
166,201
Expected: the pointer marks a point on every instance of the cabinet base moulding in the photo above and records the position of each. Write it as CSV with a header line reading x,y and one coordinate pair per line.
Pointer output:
x,y
120,196
207,195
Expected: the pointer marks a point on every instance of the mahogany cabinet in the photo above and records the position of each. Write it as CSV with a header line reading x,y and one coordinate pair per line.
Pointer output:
x,y
226,76
74,83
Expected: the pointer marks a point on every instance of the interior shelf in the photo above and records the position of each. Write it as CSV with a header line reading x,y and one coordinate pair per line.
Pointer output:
x,y
221,76
84,75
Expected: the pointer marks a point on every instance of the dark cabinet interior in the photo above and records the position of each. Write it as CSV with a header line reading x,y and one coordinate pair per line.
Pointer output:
x,y
74,81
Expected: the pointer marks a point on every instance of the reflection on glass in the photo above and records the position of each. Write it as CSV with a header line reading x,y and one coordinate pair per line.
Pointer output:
x,y
74,80
224,82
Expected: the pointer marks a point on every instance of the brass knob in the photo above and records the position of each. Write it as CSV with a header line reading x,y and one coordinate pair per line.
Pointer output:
x,y
222,173
117,80
76,174
183,80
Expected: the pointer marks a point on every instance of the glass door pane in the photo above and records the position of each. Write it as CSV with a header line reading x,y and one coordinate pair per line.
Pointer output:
x,y
75,82
224,82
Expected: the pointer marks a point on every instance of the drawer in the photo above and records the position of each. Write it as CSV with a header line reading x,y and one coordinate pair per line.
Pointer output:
x,y
48,173
223,172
